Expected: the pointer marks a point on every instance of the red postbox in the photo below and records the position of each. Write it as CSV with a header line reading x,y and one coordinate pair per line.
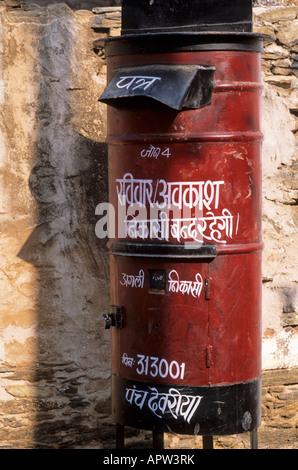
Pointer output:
x,y
185,185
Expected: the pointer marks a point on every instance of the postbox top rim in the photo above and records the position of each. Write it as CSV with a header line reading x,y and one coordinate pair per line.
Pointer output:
x,y
183,40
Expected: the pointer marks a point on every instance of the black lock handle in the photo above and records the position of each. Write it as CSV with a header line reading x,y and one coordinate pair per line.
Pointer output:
x,y
114,317
108,321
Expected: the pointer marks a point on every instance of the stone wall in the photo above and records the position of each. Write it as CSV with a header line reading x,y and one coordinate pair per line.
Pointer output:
x,y
54,274
80,4
280,217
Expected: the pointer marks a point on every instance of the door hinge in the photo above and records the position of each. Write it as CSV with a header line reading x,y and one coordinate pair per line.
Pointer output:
x,y
208,289
209,359
114,317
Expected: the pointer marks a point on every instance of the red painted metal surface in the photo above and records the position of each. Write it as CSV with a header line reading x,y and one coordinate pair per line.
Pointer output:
x,y
203,328
209,341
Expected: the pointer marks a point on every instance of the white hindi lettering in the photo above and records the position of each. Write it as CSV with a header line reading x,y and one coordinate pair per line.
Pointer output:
x,y
197,229
133,191
153,228
154,366
162,196
135,396
134,82
155,152
133,281
161,403
168,195
159,367
193,288
212,227
127,361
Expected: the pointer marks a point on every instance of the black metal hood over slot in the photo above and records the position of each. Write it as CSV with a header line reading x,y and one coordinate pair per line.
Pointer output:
x,y
176,86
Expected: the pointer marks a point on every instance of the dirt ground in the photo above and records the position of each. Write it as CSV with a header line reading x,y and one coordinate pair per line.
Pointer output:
x,y
268,438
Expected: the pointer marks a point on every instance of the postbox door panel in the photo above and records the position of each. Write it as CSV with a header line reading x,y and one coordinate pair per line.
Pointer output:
x,y
235,318
165,321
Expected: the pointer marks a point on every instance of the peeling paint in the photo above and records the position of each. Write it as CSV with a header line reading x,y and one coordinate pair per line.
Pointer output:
x,y
280,351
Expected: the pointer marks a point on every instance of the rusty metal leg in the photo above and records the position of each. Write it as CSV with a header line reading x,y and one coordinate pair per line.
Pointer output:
x,y
207,442
119,436
158,439
254,439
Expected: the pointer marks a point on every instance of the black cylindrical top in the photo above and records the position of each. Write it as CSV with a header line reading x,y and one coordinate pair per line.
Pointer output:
x,y
152,16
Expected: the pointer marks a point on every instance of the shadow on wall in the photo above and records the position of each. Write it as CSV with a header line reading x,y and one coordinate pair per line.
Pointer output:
x,y
68,180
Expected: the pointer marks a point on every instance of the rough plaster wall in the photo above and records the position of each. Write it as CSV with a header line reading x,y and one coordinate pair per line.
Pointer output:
x,y
54,352
280,184
280,340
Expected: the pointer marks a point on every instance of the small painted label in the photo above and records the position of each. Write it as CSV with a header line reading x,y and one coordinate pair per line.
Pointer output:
x,y
193,288
129,280
134,82
155,152
152,366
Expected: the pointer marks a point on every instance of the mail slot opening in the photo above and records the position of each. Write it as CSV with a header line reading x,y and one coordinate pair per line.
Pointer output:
x,y
177,86
158,280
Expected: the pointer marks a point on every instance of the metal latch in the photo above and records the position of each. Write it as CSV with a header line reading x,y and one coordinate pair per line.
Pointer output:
x,y
208,289
114,317
209,357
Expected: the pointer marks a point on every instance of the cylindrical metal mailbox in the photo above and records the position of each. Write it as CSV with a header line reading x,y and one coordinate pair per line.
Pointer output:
x,y
185,186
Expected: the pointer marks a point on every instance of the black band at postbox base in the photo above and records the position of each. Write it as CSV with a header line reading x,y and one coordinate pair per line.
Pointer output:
x,y
220,410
